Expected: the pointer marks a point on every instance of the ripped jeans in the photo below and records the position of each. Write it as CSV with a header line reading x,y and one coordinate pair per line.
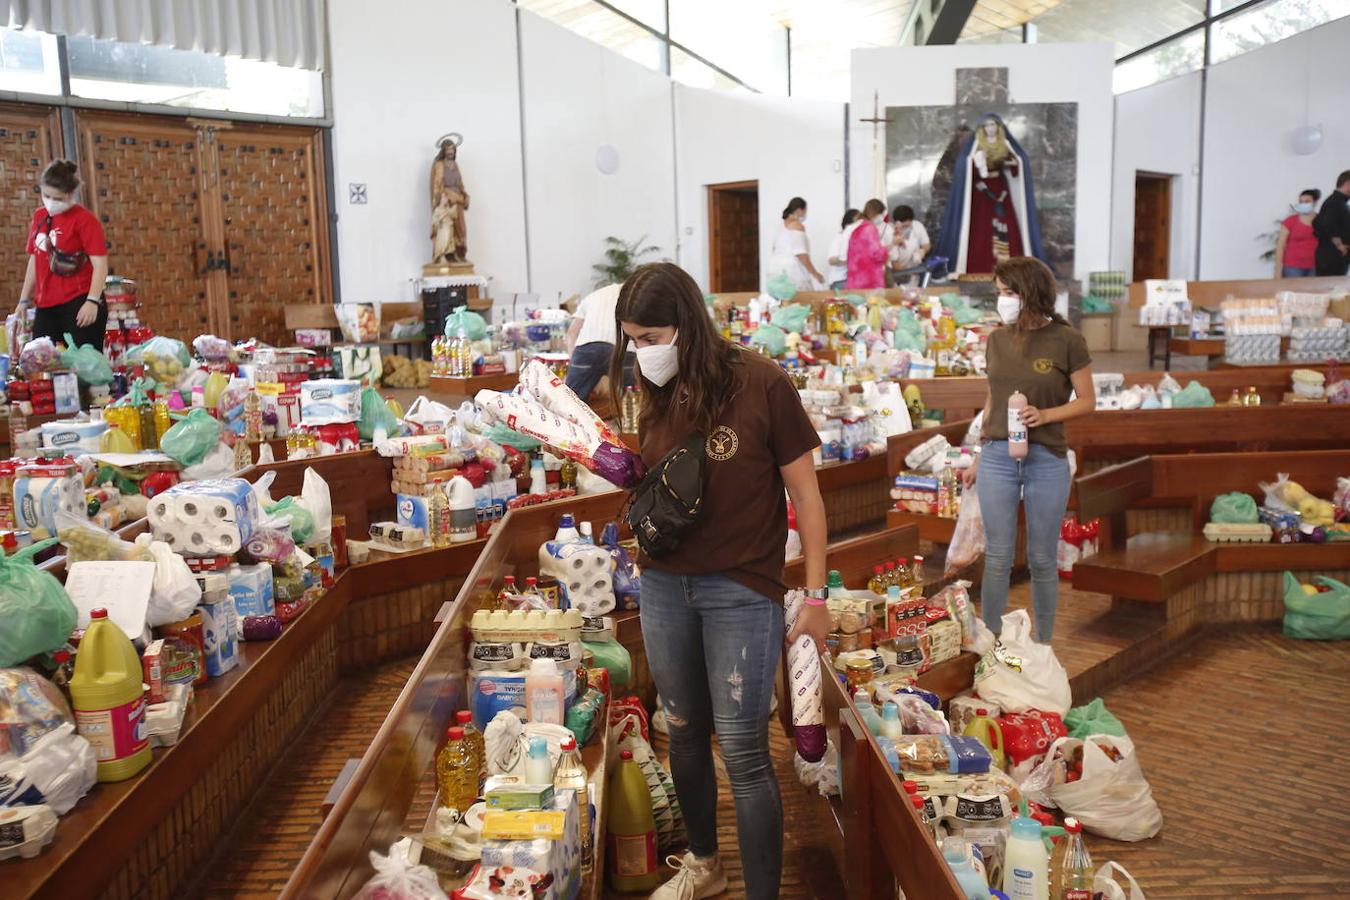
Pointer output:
x,y
713,647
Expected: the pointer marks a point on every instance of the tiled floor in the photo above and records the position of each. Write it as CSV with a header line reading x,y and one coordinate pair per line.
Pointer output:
x,y
1240,736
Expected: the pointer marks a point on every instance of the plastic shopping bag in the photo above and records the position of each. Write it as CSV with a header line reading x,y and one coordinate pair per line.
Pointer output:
x,y
968,539
1092,718
1105,886
464,322
375,413
1323,616
1020,674
1112,798
35,614
190,438
397,879
174,592
316,498
771,338
791,317
1234,508
425,416
87,362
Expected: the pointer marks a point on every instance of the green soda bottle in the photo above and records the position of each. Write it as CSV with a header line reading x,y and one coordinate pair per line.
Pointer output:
x,y
631,830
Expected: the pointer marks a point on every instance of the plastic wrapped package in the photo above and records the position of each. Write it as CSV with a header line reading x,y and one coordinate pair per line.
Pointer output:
x,y
87,362
42,759
37,356
211,348
804,684
84,541
35,614
968,538
929,753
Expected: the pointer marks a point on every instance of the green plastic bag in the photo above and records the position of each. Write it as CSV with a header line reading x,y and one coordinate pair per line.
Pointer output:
x,y
36,616
301,519
375,413
190,438
159,345
464,322
1094,304
88,364
791,317
1092,718
781,288
770,337
500,434
1236,508
908,332
1315,617
615,657
1192,396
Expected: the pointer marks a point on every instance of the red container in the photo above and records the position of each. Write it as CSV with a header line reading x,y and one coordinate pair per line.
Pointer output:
x,y
1030,733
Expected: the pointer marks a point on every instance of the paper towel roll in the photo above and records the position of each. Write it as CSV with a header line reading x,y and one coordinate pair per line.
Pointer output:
x,y
808,716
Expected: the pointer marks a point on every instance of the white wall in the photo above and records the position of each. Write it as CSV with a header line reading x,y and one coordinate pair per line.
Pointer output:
x,y
1251,174
579,96
791,147
1037,73
405,72
1158,130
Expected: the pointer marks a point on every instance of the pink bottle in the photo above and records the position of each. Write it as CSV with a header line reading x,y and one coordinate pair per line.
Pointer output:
x,y
1017,429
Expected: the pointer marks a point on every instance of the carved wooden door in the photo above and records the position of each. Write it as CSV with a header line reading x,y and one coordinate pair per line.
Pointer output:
x,y
30,137
272,207
143,179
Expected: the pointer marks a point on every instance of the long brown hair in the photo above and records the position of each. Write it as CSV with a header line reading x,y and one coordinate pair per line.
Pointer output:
x,y
662,294
1032,280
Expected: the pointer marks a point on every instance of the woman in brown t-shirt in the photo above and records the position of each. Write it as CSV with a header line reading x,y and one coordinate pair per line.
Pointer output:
x,y
712,611
1041,355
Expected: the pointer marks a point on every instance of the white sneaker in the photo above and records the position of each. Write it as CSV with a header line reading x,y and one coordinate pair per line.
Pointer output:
x,y
694,879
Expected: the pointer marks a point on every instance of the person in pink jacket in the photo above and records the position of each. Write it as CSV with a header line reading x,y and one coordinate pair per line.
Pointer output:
x,y
866,255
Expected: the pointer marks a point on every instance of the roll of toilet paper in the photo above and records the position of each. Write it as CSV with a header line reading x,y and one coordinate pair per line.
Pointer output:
x,y
227,540
189,509
162,510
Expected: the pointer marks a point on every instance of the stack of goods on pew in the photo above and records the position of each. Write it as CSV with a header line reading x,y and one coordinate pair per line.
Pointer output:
x,y
988,776
1314,335
470,347
1288,514
98,671
516,775
931,483
1166,304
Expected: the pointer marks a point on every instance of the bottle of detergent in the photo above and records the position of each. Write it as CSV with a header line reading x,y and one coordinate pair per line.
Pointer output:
x,y
1026,865
110,699
1017,430
956,852
983,728
567,530
630,855
867,712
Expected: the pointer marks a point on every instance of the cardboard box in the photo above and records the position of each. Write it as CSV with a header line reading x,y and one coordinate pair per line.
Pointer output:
x,y
1099,331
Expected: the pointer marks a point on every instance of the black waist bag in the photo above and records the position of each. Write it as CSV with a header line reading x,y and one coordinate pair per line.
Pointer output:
x,y
666,504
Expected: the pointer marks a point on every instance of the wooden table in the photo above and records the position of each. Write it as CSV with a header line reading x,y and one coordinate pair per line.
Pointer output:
x,y
452,391
1211,348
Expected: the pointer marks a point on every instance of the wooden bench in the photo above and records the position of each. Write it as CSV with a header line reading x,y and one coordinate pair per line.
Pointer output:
x,y
1159,567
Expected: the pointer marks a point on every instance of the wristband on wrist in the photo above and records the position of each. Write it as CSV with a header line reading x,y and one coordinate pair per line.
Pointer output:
x,y
815,596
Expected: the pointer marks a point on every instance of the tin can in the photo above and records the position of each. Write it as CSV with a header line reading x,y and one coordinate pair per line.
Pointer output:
x,y
859,673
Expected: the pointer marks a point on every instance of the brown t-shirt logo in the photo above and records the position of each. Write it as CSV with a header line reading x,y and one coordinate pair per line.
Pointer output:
x,y
722,443
1043,366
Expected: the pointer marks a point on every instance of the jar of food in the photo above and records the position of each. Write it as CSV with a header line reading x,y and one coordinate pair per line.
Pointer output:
x,y
859,673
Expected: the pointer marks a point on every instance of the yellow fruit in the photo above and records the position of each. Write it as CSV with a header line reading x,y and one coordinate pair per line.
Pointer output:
x,y
1308,588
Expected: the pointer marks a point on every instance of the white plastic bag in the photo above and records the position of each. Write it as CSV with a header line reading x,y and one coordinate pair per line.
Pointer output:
x,y
1112,799
1019,674
218,463
968,538
886,407
315,497
395,879
425,416
58,769
262,489
1105,885
175,593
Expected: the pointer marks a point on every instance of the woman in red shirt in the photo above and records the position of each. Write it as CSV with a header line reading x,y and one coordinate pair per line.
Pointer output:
x,y
1297,245
67,263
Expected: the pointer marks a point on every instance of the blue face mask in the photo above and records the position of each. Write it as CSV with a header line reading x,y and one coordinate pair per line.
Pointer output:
x,y
1303,208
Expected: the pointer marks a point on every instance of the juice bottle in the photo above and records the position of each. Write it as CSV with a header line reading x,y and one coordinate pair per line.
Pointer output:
x,y
474,739
1074,874
877,584
456,772
1017,430
438,517
544,701
630,836
985,730
571,775
1026,865
110,699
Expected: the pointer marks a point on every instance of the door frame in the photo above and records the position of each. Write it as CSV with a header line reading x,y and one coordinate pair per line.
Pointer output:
x,y
714,273
1167,179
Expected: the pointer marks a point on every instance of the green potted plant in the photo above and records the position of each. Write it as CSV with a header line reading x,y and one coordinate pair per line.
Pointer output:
x,y
621,258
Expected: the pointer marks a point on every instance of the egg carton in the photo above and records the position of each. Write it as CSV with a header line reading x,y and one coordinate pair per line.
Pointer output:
x,y
1219,532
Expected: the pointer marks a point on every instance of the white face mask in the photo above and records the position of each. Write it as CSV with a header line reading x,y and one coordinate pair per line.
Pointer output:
x,y
879,221
659,362
1009,308
801,220
1303,208
56,207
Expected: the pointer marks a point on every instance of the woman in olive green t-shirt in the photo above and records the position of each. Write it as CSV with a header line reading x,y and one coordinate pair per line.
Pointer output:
x,y
1041,355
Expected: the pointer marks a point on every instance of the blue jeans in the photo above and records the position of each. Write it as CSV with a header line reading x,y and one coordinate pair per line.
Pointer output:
x,y
1296,272
1041,481
713,647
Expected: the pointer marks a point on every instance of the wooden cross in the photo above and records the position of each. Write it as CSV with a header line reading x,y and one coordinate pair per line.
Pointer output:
x,y
878,158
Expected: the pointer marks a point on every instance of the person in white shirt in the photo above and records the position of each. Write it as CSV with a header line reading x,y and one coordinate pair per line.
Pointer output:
x,y
590,340
839,250
909,243
791,252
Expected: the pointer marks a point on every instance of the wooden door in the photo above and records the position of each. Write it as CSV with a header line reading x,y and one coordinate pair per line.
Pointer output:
x,y
274,221
1152,226
145,182
733,233
30,137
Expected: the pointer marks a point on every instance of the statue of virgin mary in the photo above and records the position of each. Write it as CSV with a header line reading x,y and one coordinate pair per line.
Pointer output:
x,y
991,210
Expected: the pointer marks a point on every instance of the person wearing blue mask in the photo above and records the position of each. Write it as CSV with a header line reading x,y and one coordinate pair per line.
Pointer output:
x,y
712,608
1296,245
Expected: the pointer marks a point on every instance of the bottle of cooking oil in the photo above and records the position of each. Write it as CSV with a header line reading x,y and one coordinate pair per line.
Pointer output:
x,y
474,738
146,412
253,417
162,421
877,583
1251,397
456,771
571,774
438,517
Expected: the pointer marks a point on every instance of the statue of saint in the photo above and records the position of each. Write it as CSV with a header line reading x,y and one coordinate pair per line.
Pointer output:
x,y
449,201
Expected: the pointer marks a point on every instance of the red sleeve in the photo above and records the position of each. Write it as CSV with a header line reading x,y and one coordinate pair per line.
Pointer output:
x,y
91,235
32,234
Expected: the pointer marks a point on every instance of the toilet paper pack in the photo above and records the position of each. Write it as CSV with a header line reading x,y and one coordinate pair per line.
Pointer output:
x,y
329,401
205,518
73,436
37,498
